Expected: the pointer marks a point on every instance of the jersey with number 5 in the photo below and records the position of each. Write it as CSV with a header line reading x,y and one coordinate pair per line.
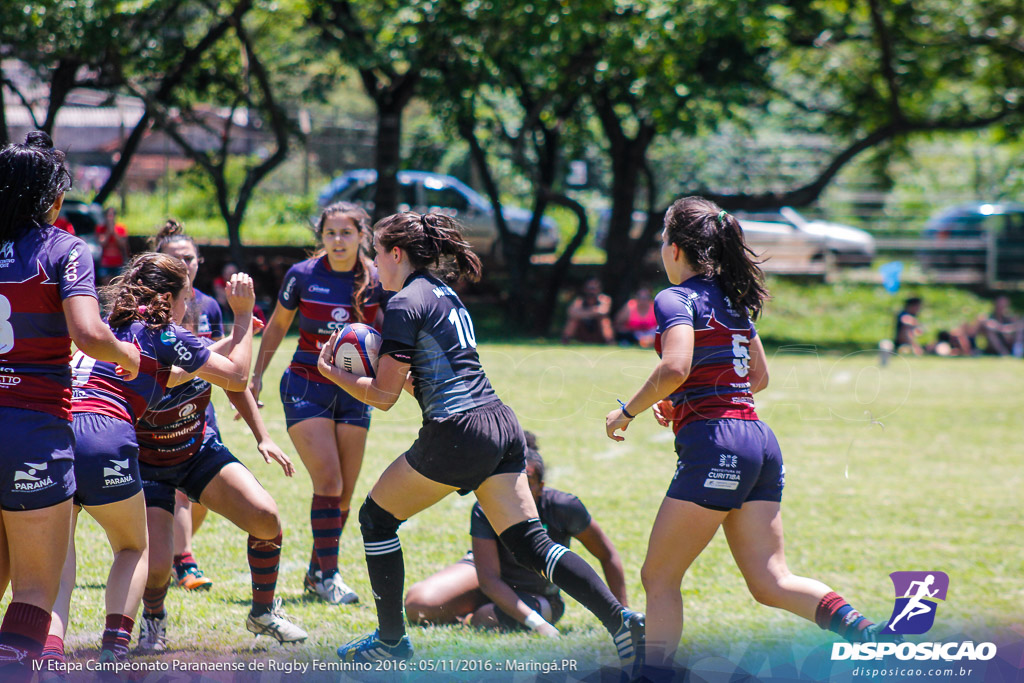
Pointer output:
x,y
426,325
718,384
38,270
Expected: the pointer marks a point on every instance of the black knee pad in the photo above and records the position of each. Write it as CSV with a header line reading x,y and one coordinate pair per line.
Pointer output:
x,y
530,544
376,523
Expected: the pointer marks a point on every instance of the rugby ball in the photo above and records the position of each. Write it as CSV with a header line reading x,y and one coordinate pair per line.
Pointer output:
x,y
356,350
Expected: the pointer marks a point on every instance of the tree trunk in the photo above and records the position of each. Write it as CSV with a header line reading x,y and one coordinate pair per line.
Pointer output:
x,y
620,267
388,159
62,83
560,270
131,144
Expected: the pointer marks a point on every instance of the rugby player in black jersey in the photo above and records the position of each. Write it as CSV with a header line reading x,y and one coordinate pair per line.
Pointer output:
x,y
470,440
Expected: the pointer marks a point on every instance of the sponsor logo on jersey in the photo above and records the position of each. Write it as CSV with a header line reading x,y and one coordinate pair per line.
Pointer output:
x,y
6,254
9,380
187,410
723,484
317,289
340,316
286,294
71,270
116,476
204,324
183,353
32,478
167,337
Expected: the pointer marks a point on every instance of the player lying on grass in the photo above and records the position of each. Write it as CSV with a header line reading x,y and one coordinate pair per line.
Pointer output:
x,y
489,589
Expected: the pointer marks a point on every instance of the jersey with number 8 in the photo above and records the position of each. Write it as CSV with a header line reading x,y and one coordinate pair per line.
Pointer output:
x,y
718,384
38,270
426,325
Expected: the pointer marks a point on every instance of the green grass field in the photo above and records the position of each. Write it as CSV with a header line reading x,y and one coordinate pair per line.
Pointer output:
x,y
915,466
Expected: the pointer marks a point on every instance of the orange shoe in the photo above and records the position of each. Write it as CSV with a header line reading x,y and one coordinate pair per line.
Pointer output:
x,y
192,579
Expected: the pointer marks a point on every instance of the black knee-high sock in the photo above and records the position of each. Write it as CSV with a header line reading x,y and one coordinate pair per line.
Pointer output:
x,y
386,567
530,544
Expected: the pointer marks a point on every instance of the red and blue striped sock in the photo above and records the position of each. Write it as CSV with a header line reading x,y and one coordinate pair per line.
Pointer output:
x,y
153,599
264,560
836,615
23,633
53,649
118,634
325,518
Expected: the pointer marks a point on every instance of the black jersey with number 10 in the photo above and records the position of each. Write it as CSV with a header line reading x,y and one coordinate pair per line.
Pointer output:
x,y
426,325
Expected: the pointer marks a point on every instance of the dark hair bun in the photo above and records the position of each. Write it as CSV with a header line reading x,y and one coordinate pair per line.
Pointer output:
x,y
39,140
171,228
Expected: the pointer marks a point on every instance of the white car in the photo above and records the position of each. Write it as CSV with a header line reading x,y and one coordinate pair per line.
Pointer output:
x,y
785,240
849,246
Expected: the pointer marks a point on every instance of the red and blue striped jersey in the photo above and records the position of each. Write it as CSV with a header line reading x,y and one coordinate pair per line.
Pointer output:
x,y
175,428
98,389
38,270
718,384
323,298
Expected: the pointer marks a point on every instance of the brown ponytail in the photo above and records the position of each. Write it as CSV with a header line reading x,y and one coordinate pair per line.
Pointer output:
x,y
361,271
428,239
145,290
712,241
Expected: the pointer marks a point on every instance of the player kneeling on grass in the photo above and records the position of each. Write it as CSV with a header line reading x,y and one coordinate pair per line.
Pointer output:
x,y
147,303
470,440
730,471
489,589
179,451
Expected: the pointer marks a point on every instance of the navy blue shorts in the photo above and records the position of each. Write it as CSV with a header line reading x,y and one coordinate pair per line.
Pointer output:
x,y
37,466
106,459
191,476
725,462
303,399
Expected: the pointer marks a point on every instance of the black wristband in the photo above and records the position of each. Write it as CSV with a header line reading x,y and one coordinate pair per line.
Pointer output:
x,y
626,412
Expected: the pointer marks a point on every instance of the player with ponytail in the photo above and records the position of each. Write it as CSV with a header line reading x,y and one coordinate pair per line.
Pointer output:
x,y
47,299
470,440
327,426
730,471
146,303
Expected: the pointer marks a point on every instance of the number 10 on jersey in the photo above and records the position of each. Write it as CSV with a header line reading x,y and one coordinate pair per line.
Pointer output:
x,y
459,317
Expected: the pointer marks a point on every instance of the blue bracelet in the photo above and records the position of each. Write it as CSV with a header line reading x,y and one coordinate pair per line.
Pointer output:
x,y
624,411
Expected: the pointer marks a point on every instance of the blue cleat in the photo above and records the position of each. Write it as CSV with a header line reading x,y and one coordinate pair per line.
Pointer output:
x,y
629,642
372,649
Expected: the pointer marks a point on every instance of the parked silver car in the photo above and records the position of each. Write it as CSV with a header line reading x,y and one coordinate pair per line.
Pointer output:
x,y
423,191
785,240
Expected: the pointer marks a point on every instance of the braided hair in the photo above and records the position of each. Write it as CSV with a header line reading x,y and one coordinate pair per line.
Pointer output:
x,y
712,241
432,240
32,176
361,271
145,290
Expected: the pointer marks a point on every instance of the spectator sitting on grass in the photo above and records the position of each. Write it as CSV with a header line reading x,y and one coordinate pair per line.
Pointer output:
x,y
1003,331
635,322
908,328
590,316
